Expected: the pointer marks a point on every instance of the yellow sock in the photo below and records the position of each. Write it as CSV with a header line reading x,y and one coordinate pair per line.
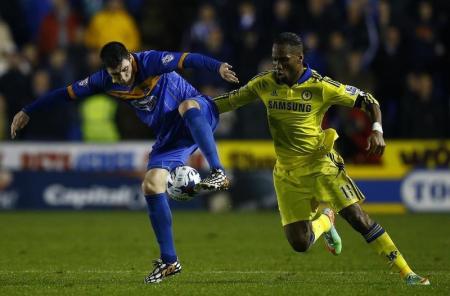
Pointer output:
x,y
320,225
382,243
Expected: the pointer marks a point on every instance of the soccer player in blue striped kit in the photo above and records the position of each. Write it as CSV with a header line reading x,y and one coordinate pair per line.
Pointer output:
x,y
181,117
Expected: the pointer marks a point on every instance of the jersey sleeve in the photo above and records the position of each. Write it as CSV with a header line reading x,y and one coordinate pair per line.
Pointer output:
x,y
91,85
237,98
335,93
160,62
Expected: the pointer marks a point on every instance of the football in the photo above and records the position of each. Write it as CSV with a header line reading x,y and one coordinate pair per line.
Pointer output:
x,y
181,183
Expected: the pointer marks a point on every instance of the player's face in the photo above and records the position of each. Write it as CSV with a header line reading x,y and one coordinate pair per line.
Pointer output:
x,y
123,74
287,63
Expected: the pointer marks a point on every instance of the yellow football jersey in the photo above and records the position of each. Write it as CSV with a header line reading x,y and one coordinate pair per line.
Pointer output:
x,y
294,113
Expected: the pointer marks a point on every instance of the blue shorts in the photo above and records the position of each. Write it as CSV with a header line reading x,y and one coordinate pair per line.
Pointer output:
x,y
175,151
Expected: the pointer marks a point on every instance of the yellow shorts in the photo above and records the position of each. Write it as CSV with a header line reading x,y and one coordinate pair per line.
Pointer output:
x,y
300,190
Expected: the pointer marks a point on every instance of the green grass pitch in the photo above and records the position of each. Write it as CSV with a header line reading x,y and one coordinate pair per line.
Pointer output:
x,y
109,253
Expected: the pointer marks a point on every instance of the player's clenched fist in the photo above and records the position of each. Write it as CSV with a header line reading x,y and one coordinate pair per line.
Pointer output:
x,y
375,143
19,122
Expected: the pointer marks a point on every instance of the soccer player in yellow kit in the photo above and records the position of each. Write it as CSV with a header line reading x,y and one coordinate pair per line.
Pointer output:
x,y
308,170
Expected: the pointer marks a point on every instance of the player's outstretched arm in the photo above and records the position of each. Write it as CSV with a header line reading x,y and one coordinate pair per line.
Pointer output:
x,y
235,99
161,62
20,120
375,142
199,61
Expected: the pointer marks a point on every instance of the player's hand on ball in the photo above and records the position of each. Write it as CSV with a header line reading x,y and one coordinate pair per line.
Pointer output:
x,y
20,120
375,143
227,74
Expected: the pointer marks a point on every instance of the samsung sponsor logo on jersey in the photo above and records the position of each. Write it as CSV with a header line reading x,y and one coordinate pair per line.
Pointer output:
x,y
289,106
427,191
95,196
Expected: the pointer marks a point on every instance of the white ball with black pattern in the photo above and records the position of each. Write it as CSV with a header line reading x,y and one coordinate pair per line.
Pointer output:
x,y
181,183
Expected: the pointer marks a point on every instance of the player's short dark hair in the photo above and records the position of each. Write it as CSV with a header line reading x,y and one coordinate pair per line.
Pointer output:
x,y
289,38
113,53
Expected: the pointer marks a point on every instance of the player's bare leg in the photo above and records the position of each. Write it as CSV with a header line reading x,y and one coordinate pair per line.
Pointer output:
x,y
378,238
301,235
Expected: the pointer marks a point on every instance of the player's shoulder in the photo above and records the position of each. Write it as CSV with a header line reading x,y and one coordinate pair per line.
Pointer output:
x,y
99,79
263,79
324,81
141,55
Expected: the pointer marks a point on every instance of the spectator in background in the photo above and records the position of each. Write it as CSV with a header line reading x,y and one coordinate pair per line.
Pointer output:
x,y
355,29
61,74
355,74
283,17
389,66
113,23
336,56
319,16
205,23
314,56
50,128
384,15
12,12
247,39
426,47
3,118
249,55
7,46
422,112
31,55
14,84
98,115
214,46
248,19
58,28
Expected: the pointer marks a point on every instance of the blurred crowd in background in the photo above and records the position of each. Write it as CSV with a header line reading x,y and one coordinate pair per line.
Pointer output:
x,y
397,50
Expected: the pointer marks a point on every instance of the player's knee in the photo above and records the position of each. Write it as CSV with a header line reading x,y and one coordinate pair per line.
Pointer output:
x,y
150,187
298,235
300,245
186,105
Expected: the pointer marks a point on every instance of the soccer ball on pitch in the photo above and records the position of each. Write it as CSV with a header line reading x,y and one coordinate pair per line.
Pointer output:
x,y
181,183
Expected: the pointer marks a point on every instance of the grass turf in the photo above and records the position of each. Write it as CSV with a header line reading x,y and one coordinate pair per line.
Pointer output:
x,y
109,253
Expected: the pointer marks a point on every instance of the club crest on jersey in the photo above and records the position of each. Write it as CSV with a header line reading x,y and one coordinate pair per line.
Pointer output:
x,y
306,95
84,82
146,104
167,59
